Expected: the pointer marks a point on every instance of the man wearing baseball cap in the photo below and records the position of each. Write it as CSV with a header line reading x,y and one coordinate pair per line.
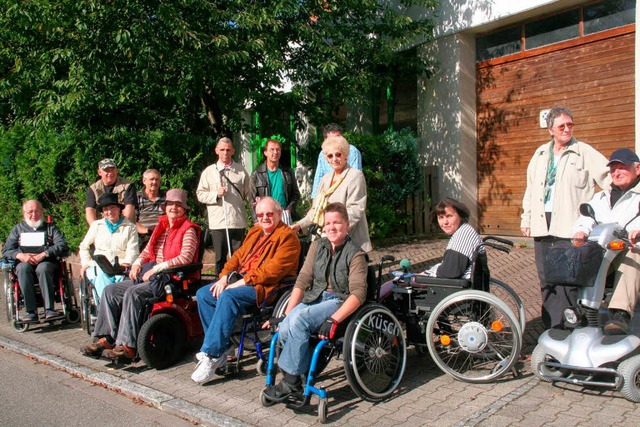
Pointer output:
x,y
619,204
110,182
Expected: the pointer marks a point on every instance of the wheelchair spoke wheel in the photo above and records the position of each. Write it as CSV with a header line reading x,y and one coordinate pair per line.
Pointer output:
x,y
506,294
88,305
161,341
8,296
474,336
375,352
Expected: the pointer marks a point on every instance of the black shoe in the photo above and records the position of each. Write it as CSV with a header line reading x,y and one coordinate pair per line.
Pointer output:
x,y
618,323
281,391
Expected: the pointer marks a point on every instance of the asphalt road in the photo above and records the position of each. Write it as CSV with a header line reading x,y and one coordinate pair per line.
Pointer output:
x,y
34,394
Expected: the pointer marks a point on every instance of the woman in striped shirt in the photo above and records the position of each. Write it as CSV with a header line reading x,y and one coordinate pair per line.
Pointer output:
x,y
453,217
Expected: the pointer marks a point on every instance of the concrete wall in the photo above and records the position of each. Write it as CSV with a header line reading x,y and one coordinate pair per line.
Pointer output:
x,y
446,117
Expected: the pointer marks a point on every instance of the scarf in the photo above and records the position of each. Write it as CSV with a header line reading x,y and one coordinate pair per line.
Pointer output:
x,y
113,227
322,200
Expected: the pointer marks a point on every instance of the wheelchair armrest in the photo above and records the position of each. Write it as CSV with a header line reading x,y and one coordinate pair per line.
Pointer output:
x,y
425,281
289,280
187,268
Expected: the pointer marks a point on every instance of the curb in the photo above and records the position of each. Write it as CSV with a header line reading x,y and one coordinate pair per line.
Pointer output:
x,y
155,398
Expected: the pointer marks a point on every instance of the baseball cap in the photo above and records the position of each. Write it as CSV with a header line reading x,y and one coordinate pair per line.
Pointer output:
x,y
107,163
624,156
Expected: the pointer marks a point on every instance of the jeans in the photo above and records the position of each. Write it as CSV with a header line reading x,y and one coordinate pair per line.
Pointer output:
x,y
219,315
296,329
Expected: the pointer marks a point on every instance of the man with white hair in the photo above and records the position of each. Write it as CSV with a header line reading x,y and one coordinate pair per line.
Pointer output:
x,y
620,204
36,245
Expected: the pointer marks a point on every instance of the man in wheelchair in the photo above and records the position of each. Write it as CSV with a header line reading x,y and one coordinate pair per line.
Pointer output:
x,y
269,253
330,287
37,246
174,243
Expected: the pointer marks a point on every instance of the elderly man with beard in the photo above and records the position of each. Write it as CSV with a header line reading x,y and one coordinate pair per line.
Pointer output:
x,y
36,246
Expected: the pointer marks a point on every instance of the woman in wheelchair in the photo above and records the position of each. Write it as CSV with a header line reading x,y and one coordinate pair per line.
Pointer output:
x,y
453,218
113,236
330,287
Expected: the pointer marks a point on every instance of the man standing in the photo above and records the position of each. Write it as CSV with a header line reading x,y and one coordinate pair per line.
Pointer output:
x,y
110,182
223,187
269,254
37,246
279,182
619,203
150,201
323,167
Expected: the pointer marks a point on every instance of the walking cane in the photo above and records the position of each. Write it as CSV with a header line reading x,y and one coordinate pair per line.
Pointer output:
x,y
226,222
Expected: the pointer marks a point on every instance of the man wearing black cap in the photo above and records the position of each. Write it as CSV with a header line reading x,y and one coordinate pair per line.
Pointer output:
x,y
110,182
619,204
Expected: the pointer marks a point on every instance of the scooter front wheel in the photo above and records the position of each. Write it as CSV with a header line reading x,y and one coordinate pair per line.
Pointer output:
x,y
543,372
630,372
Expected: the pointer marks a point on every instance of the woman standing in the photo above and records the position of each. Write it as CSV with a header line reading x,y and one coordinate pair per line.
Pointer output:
x,y
561,175
344,185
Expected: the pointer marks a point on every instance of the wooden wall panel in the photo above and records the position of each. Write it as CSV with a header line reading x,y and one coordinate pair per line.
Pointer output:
x,y
595,80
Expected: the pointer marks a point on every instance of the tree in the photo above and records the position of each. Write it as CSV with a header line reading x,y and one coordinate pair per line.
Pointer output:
x,y
194,65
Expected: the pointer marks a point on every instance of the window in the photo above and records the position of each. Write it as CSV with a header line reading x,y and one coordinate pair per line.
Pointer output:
x,y
609,14
596,17
502,43
551,30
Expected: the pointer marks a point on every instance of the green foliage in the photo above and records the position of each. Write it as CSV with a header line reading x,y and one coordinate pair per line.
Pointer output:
x,y
55,167
393,174
194,66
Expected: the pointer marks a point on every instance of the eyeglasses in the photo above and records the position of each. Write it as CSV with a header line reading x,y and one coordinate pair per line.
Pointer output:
x,y
263,214
338,155
565,125
33,212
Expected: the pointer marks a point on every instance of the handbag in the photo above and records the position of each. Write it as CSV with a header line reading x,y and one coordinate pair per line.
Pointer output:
x,y
573,265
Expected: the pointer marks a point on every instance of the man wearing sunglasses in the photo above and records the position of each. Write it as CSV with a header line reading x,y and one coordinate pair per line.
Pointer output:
x,y
269,254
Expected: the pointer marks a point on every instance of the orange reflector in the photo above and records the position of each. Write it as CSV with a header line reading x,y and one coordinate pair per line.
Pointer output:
x,y
170,298
496,326
445,340
617,245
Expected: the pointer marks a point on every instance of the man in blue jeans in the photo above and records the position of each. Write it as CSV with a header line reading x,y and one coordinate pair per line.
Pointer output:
x,y
330,287
269,254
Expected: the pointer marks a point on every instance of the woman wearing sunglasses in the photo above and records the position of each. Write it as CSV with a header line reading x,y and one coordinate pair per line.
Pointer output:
x,y
344,185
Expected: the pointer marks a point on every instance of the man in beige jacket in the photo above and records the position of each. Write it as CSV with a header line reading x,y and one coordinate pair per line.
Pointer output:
x,y
224,186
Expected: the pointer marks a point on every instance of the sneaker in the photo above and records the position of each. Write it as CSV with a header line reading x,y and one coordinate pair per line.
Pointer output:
x,y
281,391
206,368
200,355
618,323
30,317
50,314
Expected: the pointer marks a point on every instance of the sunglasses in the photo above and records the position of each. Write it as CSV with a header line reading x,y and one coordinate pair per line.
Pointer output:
x,y
565,125
338,155
263,214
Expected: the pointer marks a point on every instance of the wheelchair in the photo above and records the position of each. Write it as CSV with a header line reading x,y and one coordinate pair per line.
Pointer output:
x,y
64,294
372,345
471,328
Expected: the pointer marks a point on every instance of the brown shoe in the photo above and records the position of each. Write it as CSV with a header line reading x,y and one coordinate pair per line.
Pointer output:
x,y
119,352
96,348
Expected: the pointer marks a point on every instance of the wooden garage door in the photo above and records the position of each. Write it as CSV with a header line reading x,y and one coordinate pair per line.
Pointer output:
x,y
594,79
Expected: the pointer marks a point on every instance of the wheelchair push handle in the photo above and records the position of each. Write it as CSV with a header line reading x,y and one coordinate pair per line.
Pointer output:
x,y
498,239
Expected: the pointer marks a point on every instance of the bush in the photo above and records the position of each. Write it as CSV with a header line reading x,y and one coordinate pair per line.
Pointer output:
x,y
56,166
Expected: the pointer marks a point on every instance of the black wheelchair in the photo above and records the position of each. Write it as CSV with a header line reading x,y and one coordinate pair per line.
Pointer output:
x,y
373,348
471,328
64,294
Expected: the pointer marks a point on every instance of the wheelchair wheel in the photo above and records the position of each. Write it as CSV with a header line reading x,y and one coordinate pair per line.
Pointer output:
x,y
161,341
88,304
506,294
8,296
473,336
375,352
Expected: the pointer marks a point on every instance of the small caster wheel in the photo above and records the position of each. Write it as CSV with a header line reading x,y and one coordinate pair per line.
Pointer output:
x,y
322,410
261,367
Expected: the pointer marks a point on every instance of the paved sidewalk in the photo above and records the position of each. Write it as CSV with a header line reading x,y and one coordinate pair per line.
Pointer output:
x,y
425,397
